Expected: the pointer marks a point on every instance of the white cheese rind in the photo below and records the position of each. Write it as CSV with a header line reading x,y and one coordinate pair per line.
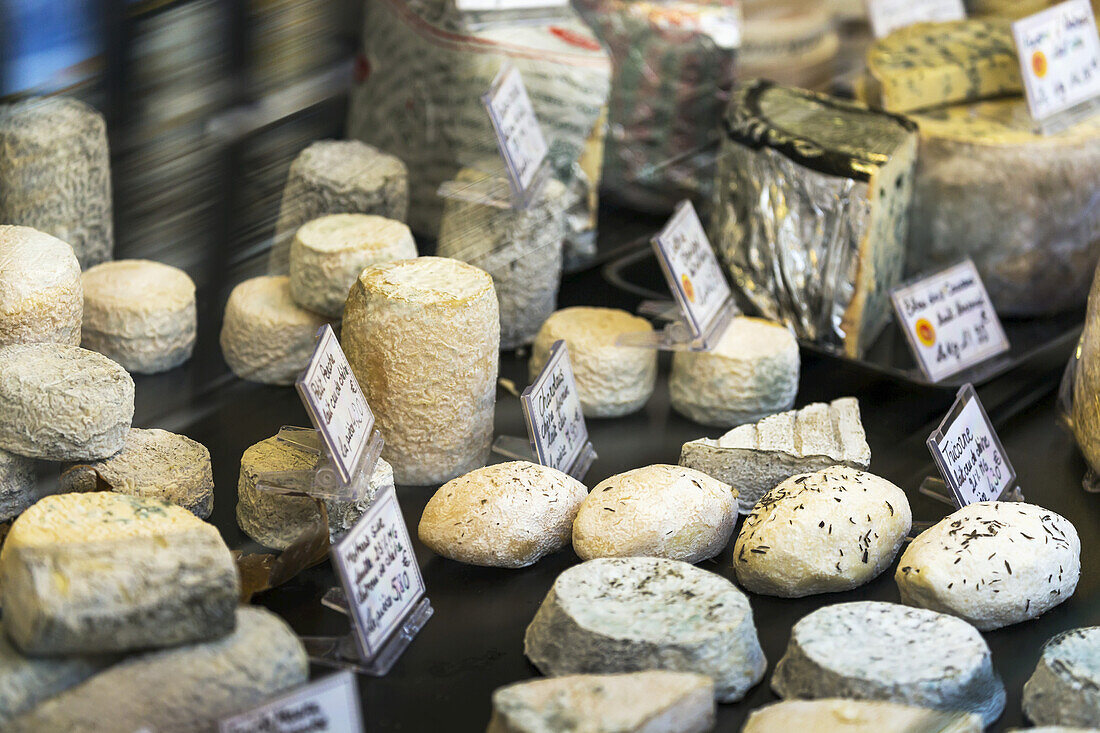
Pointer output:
x,y
17,485
41,298
633,614
856,716
1064,689
27,681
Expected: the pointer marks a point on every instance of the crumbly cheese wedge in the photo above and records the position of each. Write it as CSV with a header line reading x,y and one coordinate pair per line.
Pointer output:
x,y
17,485
1064,689
41,298
856,716
27,681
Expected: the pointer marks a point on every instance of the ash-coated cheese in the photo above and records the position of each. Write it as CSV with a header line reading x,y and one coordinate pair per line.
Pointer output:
x,y
41,298
329,252
422,337
507,515
27,681
823,532
105,572
657,511
636,702
755,458
1064,689
278,520
612,381
55,173
182,690
154,464
752,372
993,564
856,716
17,485
267,337
870,650
63,403
639,613
337,177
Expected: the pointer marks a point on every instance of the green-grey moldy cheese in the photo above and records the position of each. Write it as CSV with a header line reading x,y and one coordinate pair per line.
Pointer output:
x,y
1065,687
18,489
27,681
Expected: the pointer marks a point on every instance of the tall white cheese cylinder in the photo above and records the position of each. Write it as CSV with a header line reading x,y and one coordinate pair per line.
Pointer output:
x,y
422,338
41,297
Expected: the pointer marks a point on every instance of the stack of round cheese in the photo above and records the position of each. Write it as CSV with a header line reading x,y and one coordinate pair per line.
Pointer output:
x,y
791,42
41,298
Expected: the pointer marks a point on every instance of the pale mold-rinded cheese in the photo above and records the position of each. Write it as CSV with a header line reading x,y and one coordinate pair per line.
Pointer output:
x,y
506,515
277,520
27,681
658,511
789,41
640,613
822,532
337,177
870,650
17,485
182,690
638,702
1085,410
755,458
55,173
63,403
612,381
153,464
751,372
1064,689
856,716
105,572
267,337
422,337
139,313
41,298
329,252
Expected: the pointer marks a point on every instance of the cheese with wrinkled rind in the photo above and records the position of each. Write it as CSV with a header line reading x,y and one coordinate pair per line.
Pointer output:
x,y
41,297
1064,689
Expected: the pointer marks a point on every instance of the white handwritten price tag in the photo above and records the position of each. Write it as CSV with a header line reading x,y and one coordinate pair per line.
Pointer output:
x,y
1059,52
969,454
949,321
552,409
889,15
329,705
517,129
692,269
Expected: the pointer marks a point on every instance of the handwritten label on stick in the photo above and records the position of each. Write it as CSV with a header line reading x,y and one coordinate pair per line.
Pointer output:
x,y
552,409
969,453
1059,52
517,129
889,15
327,705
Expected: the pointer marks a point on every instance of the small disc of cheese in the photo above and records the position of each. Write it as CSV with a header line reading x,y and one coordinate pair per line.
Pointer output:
x,y
1064,689
17,485
612,381
751,373
657,511
639,613
105,572
154,464
267,337
856,716
63,403
27,681
41,299
423,336
328,254
870,650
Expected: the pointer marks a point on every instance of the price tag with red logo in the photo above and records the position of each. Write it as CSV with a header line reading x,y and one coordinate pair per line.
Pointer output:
x,y
1059,52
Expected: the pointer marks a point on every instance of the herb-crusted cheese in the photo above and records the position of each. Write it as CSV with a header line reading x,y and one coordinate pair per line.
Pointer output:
x,y
41,298
856,716
1064,689
27,681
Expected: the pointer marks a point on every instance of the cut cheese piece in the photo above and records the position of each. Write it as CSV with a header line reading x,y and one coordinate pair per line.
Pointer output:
x,y
17,485
27,681
41,298
856,716
639,613
1064,689
422,337
105,572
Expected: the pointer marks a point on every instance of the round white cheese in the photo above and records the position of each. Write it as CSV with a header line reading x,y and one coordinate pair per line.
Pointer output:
x,y
856,716
41,298
17,485
1064,689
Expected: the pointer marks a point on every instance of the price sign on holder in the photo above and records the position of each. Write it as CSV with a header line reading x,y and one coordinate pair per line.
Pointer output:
x,y
329,705
889,15
519,136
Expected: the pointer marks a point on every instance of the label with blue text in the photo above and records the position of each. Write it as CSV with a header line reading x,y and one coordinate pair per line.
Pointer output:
x,y
329,705
969,454
552,409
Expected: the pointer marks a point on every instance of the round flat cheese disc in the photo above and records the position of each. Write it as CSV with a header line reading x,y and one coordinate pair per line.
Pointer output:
x,y
1065,687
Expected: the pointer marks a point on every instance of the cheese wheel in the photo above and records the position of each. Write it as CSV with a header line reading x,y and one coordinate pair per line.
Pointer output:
x,y
267,337
17,485
41,298
1064,689
612,381
422,337
27,681
139,313
329,252
838,715
789,41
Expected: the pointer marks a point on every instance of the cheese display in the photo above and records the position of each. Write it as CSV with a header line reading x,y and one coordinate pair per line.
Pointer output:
x,y
751,372
139,313
422,337
1084,409
507,515
153,464
822,532
337,177
992,564
1064,689
856,716
869,650
41,298
639,702
329,252
266,336
612,381
789,41
180,690
1007,8
55,173
657,511
63,403
597,619
812,207
27,681
17,485
756,458
105,572
277,520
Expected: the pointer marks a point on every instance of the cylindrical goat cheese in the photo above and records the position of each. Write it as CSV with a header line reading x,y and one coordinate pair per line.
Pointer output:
x,y
267,337
139,313
422,337
328,254
55,173
17,485
41,298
